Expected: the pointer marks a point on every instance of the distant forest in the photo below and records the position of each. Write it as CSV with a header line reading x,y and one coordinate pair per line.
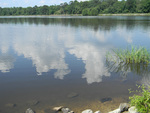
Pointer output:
x,y
86,8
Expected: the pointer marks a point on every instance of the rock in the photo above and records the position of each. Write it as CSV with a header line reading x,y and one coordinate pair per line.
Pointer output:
x,y
65,110
72,95
132,109
115,111
124,107
33,102
10,105
97,112
29,110
87,111
58,108
106,99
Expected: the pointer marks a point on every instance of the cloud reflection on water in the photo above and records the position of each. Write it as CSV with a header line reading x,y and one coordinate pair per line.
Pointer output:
x,y
47,45
6,63
94,59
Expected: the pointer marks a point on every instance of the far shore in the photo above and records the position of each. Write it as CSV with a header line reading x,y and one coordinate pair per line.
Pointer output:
x,y
121,14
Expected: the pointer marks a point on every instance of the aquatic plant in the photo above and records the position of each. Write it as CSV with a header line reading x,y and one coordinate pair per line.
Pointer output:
x,y
133,55
124,68
142,101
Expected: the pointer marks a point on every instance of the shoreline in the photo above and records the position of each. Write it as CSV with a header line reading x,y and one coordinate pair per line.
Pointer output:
x,y
121,14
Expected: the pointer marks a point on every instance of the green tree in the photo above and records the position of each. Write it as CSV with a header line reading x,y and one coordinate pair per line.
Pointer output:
x,y
44,10
94,12
85,12
145,6
131,6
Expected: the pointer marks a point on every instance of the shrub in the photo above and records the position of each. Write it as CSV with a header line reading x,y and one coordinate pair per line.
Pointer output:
x,y
141,102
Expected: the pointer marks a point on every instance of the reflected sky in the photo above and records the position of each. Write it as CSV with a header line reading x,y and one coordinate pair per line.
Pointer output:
x,y
46,45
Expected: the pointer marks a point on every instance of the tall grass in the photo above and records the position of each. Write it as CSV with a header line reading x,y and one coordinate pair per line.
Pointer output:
x,y
133,55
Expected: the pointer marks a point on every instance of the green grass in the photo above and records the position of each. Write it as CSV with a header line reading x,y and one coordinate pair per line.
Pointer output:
x,y
135,55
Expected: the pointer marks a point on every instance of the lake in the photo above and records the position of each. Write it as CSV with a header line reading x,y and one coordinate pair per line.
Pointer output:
x,y
49,61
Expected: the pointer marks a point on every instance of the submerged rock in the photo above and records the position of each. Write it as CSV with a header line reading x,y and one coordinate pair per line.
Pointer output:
x,y
10,105
33,102
87,111
105,99
29,110
72,95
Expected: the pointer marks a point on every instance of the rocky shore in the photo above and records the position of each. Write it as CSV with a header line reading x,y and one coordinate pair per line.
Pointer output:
x,y
123,108
102,105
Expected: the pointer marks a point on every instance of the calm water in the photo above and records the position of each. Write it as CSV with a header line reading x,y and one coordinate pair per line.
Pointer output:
x,y
43,60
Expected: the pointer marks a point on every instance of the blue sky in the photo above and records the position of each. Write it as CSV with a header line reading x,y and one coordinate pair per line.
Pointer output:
x,y
26,3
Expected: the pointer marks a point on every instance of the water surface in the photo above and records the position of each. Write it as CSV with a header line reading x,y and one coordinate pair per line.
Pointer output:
x,y
47,58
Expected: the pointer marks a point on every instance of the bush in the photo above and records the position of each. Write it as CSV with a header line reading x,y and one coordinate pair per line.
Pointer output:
x,y
142,103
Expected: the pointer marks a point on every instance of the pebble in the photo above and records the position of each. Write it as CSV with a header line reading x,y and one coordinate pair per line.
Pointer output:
x,y
29,110
58,108
65,110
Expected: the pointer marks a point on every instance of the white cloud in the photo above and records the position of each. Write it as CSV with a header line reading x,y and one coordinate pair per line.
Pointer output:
x,y
42,2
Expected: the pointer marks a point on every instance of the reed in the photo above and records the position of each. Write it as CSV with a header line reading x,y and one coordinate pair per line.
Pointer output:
x,y
133,55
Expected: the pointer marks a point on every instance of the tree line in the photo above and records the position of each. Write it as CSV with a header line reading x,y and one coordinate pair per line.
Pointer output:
x,y
86,8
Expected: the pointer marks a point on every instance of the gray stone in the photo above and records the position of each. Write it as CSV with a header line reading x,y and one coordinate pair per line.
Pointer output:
x,y
65,110
87,111
132,109
72,95
10,105
29,110
124,107
115,111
